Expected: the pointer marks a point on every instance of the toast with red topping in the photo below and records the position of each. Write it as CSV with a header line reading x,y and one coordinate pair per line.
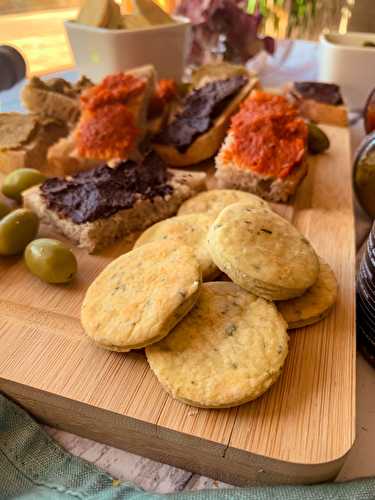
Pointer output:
x,y
265,150
112,123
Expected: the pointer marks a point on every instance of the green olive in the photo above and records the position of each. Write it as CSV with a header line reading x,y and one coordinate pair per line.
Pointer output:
x,y
317,140
17,229
4,210
19,180
50,260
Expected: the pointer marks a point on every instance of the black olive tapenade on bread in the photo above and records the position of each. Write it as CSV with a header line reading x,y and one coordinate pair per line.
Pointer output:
x,y
197,130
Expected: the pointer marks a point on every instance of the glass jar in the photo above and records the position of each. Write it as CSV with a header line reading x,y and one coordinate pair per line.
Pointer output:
x,y
364,174
366,300
369,114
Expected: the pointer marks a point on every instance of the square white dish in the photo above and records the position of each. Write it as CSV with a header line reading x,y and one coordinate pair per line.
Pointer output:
x,y
99,52
345,61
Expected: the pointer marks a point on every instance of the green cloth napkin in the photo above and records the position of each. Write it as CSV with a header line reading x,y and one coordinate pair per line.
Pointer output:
x,y
33,467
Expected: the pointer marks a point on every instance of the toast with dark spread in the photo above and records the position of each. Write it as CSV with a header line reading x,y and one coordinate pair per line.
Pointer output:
x,y
198,128
98,207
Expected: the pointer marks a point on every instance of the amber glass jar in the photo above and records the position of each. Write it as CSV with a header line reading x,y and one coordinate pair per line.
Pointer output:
x,y
369,114
366,300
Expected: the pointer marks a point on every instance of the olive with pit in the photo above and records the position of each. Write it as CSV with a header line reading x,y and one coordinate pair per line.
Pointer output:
x,y
50,260
317,140
19,180
4,210
17,229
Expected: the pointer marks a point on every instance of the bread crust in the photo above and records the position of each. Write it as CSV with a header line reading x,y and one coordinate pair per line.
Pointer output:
x,y
316,111
33,154
229,175
59,106
63,157
320,112
96,235
207,144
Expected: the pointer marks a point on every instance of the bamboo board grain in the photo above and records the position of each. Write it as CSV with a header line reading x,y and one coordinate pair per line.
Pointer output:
x,y
299,431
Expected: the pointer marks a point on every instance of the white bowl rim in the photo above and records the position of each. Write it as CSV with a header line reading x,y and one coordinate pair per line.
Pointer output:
x,y
325,40
182,21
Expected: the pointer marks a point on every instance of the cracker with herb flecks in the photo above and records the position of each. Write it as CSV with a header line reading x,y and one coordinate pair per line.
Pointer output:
x,y
315,304
262,252
229,350
139,297
215,200
190,230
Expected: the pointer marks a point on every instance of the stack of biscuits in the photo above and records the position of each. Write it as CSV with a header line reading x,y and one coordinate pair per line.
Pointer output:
x,y
212,344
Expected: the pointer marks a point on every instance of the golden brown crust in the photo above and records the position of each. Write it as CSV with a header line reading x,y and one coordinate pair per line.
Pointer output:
x,y
230,176
108,125
269,136
315,304
262,252
139,297
229,350
207,144
190,230
316,111
31,151
324,113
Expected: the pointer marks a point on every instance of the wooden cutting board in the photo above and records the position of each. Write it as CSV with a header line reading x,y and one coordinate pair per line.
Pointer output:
x,y
299,431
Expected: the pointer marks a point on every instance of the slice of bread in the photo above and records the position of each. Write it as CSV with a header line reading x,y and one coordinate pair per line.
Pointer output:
x,y
54,98
64,158
95,13
151,11
115,17
320,112
207,144
30,149
317,111
103,232
230,175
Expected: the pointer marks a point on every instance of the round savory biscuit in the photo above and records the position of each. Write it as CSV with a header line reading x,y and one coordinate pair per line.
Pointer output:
x,y
262,252
191,230
315,304
138,298
229,350
215,200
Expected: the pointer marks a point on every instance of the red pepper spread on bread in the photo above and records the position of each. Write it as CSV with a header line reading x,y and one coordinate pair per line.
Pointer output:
x,y
269,136
107,127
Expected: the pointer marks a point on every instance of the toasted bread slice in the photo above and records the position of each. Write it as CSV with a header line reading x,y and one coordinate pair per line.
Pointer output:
x,y
113,118
320,112
95,13
207,144
54,98
265,150
317,111
230,176
65,157
151,11
30,137
104,231
115,17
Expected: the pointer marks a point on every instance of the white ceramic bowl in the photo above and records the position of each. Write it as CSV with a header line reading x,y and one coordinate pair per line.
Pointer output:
x,y
99,52
344,60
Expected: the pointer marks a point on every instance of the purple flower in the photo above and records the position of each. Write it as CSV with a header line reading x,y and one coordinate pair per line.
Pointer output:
x,y
211,18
